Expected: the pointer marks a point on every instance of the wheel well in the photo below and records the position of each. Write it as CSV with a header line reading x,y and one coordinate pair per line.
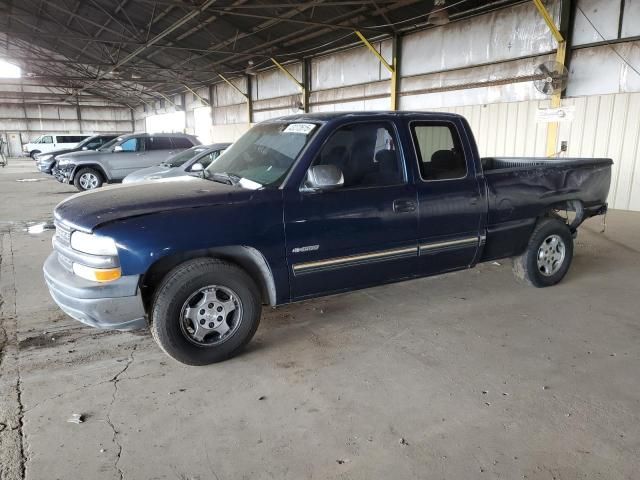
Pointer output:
x,y
91,165
247,258
575,206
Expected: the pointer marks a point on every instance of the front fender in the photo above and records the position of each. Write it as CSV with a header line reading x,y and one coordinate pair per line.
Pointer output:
x,y
144,240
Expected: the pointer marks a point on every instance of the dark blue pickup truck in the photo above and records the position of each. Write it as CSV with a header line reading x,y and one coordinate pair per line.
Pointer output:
x,y
305,206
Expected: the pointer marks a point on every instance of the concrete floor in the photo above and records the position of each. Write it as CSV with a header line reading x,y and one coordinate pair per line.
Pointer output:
x,y
468,375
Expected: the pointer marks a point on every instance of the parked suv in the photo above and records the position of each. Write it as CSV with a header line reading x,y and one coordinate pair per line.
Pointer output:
x,y
118,158
52,141
47,161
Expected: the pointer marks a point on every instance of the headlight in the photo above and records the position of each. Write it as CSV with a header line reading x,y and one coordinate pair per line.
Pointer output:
x,y
93,244
96,274
44,157
64,161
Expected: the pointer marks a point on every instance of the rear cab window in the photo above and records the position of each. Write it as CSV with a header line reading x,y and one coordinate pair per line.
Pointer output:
x,y
438,150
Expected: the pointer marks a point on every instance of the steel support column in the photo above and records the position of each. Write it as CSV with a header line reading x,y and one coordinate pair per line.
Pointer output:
x,y
561,55
392,68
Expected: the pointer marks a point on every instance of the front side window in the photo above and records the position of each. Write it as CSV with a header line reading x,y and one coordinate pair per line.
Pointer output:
x,y
365,153
182,157
264,155
130,145
206,160
47,139
439,152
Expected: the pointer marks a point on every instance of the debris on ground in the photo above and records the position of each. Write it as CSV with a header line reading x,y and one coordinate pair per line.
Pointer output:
x,y
403,442
342,461
262,397
76,418
40,227
497,264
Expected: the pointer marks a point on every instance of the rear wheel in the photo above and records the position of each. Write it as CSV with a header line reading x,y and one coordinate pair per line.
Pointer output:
x,y
548,256
205,311
87,179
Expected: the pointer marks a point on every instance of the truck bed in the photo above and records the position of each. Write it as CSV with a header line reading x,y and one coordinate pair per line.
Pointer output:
x,y
520,189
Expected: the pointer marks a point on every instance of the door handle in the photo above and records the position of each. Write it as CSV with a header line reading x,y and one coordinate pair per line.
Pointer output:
x,y
403,206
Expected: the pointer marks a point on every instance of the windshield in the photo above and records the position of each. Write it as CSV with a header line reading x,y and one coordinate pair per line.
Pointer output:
x,y
37,139
264,154
183,157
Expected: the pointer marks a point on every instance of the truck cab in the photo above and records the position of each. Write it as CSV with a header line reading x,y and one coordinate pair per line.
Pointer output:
x,y
306,206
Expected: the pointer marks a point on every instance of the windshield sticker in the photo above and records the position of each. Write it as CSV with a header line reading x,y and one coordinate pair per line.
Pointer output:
x,y
304,128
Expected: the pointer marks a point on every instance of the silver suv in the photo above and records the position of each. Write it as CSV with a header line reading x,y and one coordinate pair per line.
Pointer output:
x,y
118,158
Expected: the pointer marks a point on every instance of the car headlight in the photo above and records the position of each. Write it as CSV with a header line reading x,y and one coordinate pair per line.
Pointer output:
x,y
64,161
93,244
97,274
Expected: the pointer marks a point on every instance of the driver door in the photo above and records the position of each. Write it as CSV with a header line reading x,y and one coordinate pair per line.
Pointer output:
x,y
361,234
129,159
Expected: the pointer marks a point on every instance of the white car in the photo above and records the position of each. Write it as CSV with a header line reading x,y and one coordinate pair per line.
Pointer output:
x,y
52,141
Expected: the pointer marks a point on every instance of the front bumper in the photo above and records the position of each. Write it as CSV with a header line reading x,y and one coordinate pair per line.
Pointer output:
x,y
45,166
115,305
63,173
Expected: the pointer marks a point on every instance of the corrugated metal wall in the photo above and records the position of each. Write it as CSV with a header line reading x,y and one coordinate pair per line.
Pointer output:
x,y
603,126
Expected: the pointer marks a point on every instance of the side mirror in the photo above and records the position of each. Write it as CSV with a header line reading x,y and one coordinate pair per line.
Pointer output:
x,y
117,148
323,178
197,167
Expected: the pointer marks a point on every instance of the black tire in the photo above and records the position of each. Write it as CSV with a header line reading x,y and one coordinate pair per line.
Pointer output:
x,y
78,179
556,265
34,153
178,286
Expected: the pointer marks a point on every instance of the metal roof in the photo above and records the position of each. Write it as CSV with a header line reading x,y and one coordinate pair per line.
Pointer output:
x,y
130,51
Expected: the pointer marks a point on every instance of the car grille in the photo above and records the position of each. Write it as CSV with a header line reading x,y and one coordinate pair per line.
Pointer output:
x,y
63,233
63,237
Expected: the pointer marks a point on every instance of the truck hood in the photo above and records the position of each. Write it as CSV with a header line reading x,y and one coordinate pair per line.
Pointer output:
x,y
81,155
88,210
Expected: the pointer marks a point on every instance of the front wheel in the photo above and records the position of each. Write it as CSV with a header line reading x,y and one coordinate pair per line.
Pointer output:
x,y
548,256
34,153
87,179
205,311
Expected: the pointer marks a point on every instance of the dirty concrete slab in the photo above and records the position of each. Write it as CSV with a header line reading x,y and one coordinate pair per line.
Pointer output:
x,y
467,375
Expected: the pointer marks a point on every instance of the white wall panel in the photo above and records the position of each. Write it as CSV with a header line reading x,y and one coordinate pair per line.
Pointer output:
x,y
603,14
603,126
275,83
224,94
631,20
598,70
351,67
500,35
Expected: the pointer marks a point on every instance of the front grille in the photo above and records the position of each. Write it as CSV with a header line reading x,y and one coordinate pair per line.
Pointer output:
x,y
63,238
63,233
